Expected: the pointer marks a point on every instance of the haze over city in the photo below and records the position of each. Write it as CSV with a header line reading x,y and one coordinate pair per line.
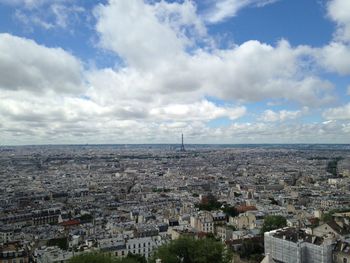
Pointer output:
x,y
227,71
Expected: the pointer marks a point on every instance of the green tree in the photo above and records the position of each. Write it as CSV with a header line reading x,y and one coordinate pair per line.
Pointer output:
x,y
190,250
86,218
327,217
252,250
273,222
209,203
60,242
135,257
230,211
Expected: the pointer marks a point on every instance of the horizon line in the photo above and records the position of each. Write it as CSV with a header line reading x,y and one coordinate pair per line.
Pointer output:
x,y
120,144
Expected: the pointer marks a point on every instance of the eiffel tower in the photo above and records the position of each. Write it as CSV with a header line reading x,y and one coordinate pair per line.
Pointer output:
x,y
182,143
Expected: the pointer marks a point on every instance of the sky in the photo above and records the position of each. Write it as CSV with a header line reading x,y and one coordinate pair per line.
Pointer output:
x,y
146,71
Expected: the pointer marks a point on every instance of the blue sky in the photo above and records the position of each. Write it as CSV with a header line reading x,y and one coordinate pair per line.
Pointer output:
x,y
225,71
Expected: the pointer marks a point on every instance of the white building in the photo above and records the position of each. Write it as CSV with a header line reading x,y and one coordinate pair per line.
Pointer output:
x,y
122,247
290,245
52,255
6,235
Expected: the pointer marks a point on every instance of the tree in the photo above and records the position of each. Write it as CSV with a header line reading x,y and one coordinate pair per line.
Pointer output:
x,y
327,217
135,258
252,249
190,250
60,242
209,203
86,218
273,222
230,211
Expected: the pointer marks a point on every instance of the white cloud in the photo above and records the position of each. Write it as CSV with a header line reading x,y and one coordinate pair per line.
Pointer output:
x,y
334,57
32,20
224,9
65,15
282,115
161,90
157,59
69,119
339,11
202,111
338,113
182,17
332,132
48,119
48,14
25,65
254,71
132,30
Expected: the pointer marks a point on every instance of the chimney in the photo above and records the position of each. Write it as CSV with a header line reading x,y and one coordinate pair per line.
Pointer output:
x,y
313,239
343,245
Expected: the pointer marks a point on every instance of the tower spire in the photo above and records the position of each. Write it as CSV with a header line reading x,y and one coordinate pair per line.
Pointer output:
x,y
182,143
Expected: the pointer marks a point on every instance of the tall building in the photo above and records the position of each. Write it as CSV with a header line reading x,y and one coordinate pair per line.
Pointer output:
x,y
292,245
182,143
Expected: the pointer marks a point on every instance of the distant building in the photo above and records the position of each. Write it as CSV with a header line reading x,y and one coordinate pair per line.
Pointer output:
x,y
13,252
142,246
6,234
52,255
243,221
337,228
341,252
203,222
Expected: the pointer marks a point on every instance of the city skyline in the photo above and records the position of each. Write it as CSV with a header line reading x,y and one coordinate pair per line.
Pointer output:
x,y
220,72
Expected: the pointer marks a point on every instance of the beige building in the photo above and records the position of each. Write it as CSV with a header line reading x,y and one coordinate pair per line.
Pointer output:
x,y
243,221
341,252
203,222
337,229
13,252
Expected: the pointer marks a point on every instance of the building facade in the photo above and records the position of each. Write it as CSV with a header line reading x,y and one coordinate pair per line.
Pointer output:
x,y
291,245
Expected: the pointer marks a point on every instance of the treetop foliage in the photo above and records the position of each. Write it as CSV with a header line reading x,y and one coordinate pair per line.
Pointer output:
x,y
182,250
190,250
273,222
